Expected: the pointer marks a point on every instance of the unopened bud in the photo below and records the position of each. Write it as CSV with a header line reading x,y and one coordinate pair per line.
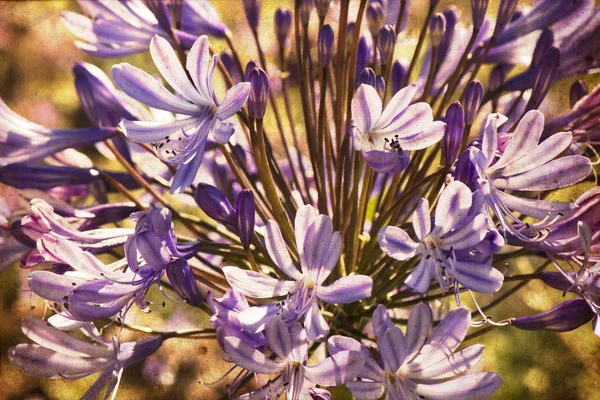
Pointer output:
x,y
251,66
350,35
380,85
579,89
305,10
437,27
386,42
375,17
455,126
322,7
398,75
244,206
563,318
545,77
473,97
478,10
505,13
544,42
325,45
367,77
183,281
252,9
231,66
214,204
283,23
497,77
259,93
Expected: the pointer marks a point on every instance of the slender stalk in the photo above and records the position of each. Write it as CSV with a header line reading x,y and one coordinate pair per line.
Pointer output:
x,y
420,43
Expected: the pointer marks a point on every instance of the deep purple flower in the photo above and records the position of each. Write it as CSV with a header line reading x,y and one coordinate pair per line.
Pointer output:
x,y
319,250
181,142
423,363
325,45
283,23
455,126
564,317
58,354
294,376
385,136
453,249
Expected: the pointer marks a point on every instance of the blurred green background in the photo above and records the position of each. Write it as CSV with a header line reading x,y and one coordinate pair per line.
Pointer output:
x,y
36,57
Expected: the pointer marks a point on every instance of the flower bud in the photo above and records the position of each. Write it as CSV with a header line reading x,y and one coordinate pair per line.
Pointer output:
x,y
322,7
367,77
380,85
305,10
563,318
283,23
252,9
362,57
244,206
448,37
579,89
455,126
231,66
259,93
505,13
325,45
398,74
184,283
497,77
252,65
375,17
473,97
214,204
545,77
478,10
386,42
161,12
544,42
437,27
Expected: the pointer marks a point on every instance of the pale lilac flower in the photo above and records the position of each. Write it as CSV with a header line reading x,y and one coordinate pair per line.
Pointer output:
x,y
295,378
525,165
319,251
181,142
385,136
57,354
453,250
423,363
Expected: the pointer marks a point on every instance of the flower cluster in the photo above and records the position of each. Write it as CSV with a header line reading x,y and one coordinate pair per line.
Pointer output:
x,y
368,195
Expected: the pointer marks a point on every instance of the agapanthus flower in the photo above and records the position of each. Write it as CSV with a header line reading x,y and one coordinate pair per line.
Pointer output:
x,y
319,251
294,376
453,250
385,137
422,363
525,165
58,354
181,142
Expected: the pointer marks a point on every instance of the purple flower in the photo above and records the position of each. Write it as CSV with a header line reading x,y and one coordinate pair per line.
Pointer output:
x,y
525,165
422,363
385,136
57,354
453,250
319,250
290,344
181,142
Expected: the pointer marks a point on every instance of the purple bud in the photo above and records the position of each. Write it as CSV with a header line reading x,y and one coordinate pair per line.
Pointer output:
x,y
545,77
386,42
505,13
259,93
325,45
283,23
497,77
322,7
464,170
214,204
398,74
375,17
231,66
184,283
563,318
437,27
252,9
473,97
161,12
380,85
478,10
544,42
252,65
244,206
367,77
362,57
579,89
305,10
449,37
455,125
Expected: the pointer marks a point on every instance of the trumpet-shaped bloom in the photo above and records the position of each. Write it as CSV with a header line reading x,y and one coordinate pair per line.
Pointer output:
x,y
422,363
385,136
456,249
295,378
181,142
58,354
319,250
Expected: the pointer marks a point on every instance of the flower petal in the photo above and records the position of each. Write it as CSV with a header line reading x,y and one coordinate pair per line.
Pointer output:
x,y
420,321
347,289
473,386
249,358
524,139
51,286
419,278
305,216
235,98
278,251
152,131
365,390
479,277
278,338
257,285
387,161
396,243
254,319
186,173
335,370
316,325
366,108
421,219
454,204
392,348
197,64
397,104
454,364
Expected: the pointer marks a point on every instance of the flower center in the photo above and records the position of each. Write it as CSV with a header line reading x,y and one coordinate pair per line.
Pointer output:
x,y
392,144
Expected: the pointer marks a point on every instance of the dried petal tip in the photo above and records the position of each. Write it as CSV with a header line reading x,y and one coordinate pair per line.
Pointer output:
x,y
386,42
437,27
252,9
563,318
325,45
455,125
375,17
283,23
182,279
244,207
322,7
214,204
505,13
259,93
478,10
579,89
473,97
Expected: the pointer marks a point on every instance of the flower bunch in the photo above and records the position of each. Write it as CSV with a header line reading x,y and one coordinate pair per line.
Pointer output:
x,y
368,195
